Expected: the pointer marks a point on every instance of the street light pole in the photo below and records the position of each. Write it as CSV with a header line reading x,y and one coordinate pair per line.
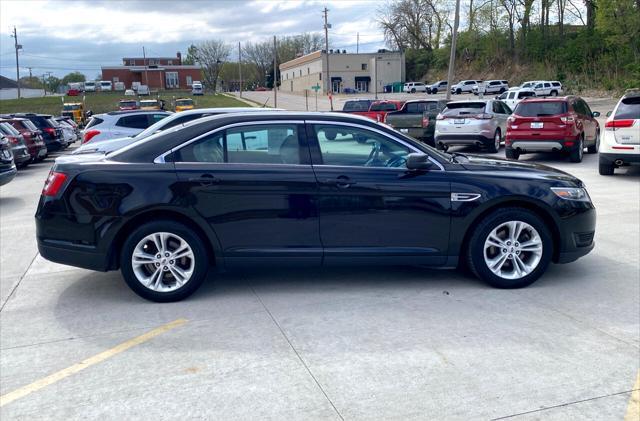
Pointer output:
x,y
17,46
240,67
326,48
452,55
275,74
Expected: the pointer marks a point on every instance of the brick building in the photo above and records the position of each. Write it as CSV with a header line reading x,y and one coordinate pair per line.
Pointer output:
x,y
156,72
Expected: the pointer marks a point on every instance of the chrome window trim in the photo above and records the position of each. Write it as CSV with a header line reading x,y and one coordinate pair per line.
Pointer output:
x,y
160,159
373,129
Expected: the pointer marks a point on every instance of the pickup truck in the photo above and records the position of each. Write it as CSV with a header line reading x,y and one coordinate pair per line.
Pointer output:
x,y
379,109
357,106
417,118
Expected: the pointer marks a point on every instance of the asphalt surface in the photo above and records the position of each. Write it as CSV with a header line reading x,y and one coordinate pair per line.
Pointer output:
x,y
341,343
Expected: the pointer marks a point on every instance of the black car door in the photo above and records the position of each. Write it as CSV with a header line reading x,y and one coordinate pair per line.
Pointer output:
x,y
372,209
254,185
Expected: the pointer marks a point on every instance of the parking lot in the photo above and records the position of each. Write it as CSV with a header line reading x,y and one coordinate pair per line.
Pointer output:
x,y
339,343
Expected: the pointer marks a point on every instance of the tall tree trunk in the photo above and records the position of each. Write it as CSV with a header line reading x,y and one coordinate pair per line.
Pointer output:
x,y
591,12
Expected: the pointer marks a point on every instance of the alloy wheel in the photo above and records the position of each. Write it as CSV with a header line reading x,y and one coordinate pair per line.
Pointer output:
x,y
496,140
163,262
513,250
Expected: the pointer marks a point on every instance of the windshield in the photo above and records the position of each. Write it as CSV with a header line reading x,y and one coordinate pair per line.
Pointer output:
x,y
463,108
128,103
356,106
149,103
383,106
183,102
70,107
541,109
105,83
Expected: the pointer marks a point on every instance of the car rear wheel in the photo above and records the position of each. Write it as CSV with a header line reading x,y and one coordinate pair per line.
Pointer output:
x,y
577,153
606,169
510,248
554,93
164,261
413,90
495,145
512,154
434,91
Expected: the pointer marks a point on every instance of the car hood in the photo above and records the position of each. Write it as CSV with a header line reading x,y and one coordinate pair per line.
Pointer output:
x,y
517,169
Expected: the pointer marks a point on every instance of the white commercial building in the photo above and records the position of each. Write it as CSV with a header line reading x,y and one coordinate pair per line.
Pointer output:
x,y
360,72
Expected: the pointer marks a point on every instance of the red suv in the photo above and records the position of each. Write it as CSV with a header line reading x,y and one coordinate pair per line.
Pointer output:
x,y
564,124
32,137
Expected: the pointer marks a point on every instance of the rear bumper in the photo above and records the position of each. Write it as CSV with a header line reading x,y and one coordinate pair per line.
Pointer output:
x,y
627,159
463,139
54,145
66,253
547,145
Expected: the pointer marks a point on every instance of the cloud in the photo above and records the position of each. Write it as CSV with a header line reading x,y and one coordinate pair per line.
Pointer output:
x,y
85,34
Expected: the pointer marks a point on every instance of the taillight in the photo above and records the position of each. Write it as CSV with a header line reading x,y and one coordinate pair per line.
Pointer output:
x,y
567,119
89,134
618,124
483,116
511,120
50,130
54,183
439,117
14,140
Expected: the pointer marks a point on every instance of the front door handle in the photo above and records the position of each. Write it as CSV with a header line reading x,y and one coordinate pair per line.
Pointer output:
x,y
342,182
205,180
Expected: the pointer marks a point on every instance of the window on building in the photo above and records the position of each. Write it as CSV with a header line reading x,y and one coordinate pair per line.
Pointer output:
x,y
152,62
300,72
170,62
364,66
320,76
189,81
116,79
171,79
308,71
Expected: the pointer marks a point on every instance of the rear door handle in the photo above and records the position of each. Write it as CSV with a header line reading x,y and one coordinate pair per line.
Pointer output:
x,y
205,180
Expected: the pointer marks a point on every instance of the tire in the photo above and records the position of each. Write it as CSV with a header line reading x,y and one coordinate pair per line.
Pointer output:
x,y
511,256
458,91
606,169
494,146
441,147
434,91
596,145
576,154
197,265
502,90
511,154
554,93
413,90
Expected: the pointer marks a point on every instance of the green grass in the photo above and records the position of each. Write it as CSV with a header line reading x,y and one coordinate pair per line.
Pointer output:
x,y
108,101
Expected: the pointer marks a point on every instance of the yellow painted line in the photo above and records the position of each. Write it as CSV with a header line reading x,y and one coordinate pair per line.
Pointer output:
x,y
98,358
633,409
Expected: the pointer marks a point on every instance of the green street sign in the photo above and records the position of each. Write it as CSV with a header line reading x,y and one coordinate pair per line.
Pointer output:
x,y
316,88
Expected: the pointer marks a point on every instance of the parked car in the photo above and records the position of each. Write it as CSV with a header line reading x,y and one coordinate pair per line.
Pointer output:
x,y
357,106
151,104
119,124
439,86
128,104
143,90
413,87
174,120
545,88
481,123
50,131
562,124
129,92
21,155
69,132
621,141
32,137
90,86
198,89
491,87
7,166
184,104
170,209
379,109
417,118
464,86
258,89
557,89
514,95
106,86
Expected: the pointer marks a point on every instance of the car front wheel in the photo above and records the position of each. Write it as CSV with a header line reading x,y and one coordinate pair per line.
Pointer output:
x,y
164,261
577,153
510,248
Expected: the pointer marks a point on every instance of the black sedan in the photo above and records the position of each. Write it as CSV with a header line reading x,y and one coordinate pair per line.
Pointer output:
x,y
304,188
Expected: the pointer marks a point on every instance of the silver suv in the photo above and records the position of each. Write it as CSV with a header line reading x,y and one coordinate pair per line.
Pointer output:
x,y
119,124
478,123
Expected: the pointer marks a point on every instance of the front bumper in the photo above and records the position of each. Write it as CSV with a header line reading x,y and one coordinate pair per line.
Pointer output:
x,y
576,230
7,175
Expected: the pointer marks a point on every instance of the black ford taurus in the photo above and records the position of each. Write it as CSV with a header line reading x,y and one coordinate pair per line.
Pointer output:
x,y
304,188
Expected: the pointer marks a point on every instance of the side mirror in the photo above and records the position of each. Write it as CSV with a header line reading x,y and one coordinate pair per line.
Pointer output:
x,y
609,113
418,161
596,114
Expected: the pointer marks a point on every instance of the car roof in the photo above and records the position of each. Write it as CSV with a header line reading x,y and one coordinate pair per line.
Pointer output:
x,y
412,101
117,113
466,101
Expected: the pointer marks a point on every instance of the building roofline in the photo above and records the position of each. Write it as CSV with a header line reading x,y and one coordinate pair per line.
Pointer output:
x,y
160,67
317,54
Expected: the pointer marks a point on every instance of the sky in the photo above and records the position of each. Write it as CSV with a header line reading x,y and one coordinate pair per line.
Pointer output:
x,y
79,35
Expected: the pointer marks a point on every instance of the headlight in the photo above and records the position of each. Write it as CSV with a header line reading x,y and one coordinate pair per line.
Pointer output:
x,y
572,193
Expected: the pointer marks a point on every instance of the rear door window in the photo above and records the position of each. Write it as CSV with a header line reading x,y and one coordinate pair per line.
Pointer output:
x,y
629,108
136,121
541,109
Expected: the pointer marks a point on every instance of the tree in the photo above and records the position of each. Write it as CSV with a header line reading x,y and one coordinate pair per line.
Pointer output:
x,y
52,83
73,77
211,56
260,55
192,54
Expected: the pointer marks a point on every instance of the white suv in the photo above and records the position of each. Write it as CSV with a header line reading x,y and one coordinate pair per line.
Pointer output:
x,y
492,87
620,145
464,86
120,124
413,87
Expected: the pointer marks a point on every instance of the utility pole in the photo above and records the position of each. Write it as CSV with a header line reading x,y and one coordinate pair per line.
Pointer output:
x,y
358,43
240,67
144,61
18,46
452,55
275,73
326,48
375,75
44,86
47,83
30,76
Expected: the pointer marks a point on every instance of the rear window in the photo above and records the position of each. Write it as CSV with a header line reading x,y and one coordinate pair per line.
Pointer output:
x,y
629,108
464,108
52,122
9,129
94,122
29,125
356,106
541,109
526,94
137,121
420,107
385,106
